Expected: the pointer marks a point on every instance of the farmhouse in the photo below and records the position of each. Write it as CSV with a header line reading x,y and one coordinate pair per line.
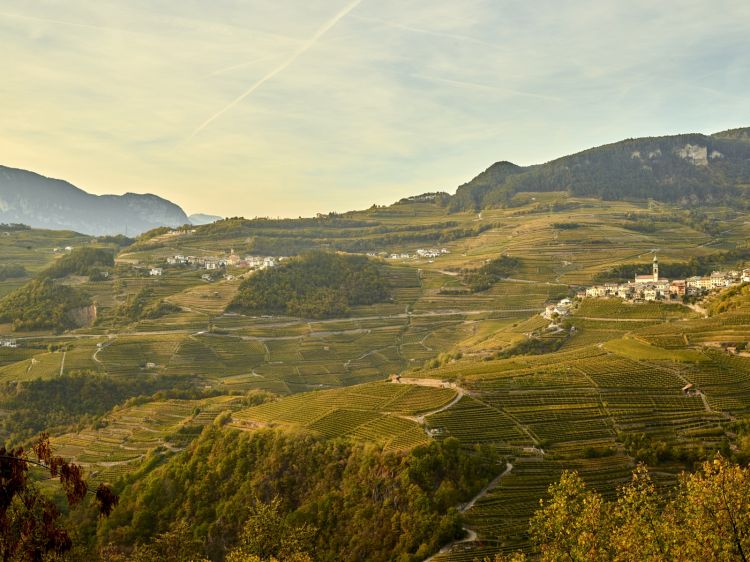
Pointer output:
x,y
8,343
156,272
559,310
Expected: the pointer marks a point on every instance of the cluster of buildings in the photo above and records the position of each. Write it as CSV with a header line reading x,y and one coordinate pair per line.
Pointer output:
x,y
213,263
559,310
652,287
427,253
5,342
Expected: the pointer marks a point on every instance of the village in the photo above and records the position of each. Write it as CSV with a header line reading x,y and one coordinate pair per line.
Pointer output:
x,y
652,287
419,253
219,263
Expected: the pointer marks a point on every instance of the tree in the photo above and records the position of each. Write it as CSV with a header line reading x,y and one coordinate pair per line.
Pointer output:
x,y
177,544
29,522
707,518
267,535
574,524
710,516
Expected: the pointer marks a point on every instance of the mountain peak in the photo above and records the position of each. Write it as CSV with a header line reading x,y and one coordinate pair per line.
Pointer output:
x,y
686,168
742,133
30,198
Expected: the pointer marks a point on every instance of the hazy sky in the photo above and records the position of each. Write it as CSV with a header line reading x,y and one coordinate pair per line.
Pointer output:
x,y
281,107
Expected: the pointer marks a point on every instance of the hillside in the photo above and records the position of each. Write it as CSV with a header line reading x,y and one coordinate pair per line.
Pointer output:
x,y
29,198
233,402
684,169
43,304
315,285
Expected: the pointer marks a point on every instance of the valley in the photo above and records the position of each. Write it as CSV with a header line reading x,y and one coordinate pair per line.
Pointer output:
x,y
429,349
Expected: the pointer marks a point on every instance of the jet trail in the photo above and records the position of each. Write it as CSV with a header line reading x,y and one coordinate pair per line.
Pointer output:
x,y
283,66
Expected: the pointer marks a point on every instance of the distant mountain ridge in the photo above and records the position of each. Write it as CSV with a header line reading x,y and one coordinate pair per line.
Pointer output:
x,y
687,169
41,202
199,219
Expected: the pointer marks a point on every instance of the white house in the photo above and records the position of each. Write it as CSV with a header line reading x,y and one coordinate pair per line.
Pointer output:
x,y
596,291
8,343
746,275
156,272
719,280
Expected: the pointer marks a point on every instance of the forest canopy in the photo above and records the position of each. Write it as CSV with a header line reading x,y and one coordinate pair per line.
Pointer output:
x,y
42,304
80,261
490,273
365,503
314,285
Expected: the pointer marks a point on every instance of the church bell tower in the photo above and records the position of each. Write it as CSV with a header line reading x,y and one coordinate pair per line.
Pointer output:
x,y
656,268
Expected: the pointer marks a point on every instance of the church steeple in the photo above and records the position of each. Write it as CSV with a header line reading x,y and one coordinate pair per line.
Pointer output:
x,y
656,268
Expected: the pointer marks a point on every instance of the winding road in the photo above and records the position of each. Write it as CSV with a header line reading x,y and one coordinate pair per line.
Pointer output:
x,y
471,535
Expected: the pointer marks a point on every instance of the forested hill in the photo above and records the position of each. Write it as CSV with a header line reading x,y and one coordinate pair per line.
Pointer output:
x,y
315,285
686,169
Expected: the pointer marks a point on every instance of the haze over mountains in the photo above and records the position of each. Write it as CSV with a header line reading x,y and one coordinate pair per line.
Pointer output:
x,y
41,202
686,169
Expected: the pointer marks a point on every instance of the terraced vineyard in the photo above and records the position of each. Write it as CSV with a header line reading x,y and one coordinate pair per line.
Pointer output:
x,y
553,412
129,433
622,371
382,412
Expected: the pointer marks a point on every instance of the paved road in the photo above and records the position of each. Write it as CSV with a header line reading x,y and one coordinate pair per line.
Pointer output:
x,y
471,535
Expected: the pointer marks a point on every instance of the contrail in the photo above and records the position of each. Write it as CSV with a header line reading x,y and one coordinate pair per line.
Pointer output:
x,y
283,66
71,23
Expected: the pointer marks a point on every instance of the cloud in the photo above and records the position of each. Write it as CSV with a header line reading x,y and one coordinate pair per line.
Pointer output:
x,y
419,30
357,103
491,88
283,66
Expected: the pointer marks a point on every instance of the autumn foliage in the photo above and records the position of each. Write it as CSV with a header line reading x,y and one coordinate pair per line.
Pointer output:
x,y
30,522
706,518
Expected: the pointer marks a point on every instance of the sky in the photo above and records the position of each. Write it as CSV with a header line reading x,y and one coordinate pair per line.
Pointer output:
x,y
292,107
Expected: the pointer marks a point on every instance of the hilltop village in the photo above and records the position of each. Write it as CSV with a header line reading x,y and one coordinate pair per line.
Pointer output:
x,y
652,287
233,260
212,263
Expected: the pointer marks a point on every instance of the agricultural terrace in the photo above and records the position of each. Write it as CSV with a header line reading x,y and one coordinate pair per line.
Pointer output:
x,y
383,412
580,409
123,438
609,396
